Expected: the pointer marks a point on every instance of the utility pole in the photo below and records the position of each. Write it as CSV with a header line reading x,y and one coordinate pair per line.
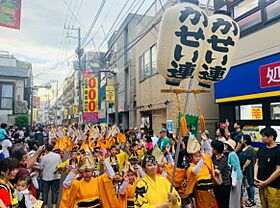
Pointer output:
x,y
79,51
116,100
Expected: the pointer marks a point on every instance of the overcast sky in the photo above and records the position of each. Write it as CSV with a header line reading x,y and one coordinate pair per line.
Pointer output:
x,y
42,40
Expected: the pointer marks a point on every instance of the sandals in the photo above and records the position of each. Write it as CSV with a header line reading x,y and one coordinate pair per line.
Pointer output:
x,y
249,203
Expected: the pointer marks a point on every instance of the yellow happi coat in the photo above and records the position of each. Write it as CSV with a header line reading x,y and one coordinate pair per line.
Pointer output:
x,y
98,192
150,193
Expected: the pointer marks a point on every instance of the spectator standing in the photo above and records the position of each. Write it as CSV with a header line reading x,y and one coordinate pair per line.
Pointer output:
x,y
247,162
8,171
237,135
51,180
233,161
220,162
6,146
220,135
163,140
3,131
267,169
39,137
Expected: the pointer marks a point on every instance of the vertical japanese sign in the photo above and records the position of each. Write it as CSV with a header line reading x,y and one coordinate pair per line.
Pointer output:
x,y
75,109
10,12
36,102
90,99
180,43
110,94
270,75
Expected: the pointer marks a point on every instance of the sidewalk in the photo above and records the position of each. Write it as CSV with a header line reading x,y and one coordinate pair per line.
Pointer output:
x,y
257,198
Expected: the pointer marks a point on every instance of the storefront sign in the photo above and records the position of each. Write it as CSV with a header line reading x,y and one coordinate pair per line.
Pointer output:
x,y
36,102
10,13
254,132
65,113
75,109
270,75
90,98
110,94
91,94
256,79
256,113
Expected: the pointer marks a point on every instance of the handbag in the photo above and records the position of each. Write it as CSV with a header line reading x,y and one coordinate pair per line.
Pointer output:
x,y
233,178
218,178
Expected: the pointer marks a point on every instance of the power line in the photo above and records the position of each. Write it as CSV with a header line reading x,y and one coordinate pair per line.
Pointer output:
x,y
93,22
72,12
112,24
53,67
143,1
139,36
65,48
116,25
62,42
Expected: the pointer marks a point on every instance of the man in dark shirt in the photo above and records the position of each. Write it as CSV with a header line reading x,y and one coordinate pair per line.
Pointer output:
x,y
267,169
237,135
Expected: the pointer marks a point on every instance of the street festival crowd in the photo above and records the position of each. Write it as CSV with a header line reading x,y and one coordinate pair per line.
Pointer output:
x,y
108,167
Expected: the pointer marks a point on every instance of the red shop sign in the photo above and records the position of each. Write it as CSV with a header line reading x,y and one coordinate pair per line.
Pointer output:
x,y
270,75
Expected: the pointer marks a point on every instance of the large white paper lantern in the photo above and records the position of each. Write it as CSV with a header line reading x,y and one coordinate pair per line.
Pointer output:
x,y
221,40
180,42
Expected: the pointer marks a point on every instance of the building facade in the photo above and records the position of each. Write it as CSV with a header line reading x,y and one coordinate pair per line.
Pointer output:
x,y
251,91
121,55
155,108
15,88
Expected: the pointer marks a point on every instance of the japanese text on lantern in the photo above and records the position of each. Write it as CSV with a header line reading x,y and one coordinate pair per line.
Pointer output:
x,y
220,41
91,94
191,35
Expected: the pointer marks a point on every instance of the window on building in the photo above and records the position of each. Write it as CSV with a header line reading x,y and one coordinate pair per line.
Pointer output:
x,y
250,21
147,65
251,112
154,59
7,96
251,15
237,113
272,10
245,7
141,68
275,111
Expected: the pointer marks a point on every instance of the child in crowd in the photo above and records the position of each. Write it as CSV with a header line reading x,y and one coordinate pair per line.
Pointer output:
x,y
26,200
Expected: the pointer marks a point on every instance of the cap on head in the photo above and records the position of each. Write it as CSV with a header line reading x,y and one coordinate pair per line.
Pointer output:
x,y
163,130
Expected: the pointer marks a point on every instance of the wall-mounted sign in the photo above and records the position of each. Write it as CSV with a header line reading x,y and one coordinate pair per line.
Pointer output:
x,y
270,75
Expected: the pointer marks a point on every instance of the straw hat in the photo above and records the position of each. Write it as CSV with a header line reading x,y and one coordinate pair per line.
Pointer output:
x,y
193,145
231,143
89,164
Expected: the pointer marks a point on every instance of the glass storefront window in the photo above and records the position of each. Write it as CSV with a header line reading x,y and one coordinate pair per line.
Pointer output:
x,y
251,112
275,111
